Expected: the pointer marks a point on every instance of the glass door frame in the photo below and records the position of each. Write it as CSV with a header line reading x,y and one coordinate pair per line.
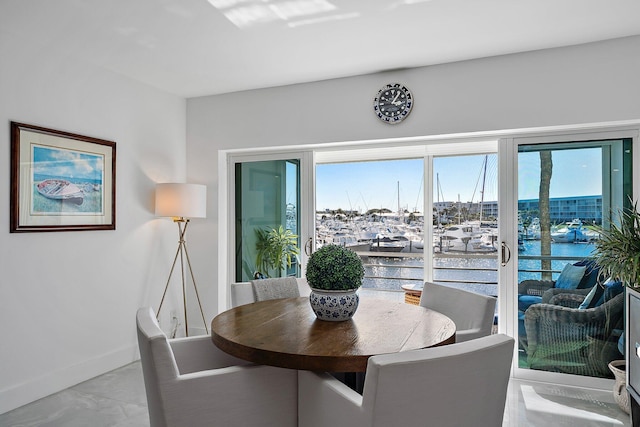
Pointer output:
x,y
433,152
226,210
508,235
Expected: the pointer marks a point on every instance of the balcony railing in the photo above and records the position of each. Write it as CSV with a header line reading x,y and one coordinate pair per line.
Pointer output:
x,y
401,268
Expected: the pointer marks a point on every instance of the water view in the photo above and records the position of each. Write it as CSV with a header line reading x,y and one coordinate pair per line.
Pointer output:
x,y
385,225
477,272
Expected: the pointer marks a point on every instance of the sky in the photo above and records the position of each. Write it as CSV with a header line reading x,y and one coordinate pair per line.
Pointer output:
x,y
68,164
372,185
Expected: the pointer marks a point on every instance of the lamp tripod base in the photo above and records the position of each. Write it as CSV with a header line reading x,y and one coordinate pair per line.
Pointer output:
x,y
182,253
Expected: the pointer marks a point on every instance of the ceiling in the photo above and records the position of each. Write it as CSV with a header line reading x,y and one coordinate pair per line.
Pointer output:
x,y
203,47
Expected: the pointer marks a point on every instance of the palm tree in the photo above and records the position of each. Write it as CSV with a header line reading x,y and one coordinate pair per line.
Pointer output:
x,y
546,169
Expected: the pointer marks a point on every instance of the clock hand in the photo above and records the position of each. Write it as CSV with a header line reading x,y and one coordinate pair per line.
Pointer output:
x,y
395,98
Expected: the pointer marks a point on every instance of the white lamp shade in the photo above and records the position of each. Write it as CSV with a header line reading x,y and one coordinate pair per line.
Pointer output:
x,y
181,200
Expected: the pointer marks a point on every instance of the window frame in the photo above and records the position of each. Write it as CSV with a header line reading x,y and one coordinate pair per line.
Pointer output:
x,y
506,142
508,211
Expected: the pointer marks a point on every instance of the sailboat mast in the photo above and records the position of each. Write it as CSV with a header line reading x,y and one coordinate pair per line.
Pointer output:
x,y
399,202
438,191
484,180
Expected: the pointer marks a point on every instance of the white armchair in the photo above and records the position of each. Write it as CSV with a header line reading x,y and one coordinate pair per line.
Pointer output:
x,y
472,313
190,382
463,384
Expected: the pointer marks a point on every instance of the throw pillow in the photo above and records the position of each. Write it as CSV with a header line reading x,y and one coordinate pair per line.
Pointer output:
x,y
570,276
612,288
590,275
595,293
609,289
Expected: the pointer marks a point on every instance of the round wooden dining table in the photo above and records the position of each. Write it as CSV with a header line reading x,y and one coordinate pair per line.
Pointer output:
x,y
287,334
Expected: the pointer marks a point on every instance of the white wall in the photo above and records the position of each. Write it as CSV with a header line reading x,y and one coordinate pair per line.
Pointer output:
x,y
582,84
68,299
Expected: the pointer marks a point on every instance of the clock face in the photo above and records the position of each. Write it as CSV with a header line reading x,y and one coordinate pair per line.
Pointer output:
x,y
393,103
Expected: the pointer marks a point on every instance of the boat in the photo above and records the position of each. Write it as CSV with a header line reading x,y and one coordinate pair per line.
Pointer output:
x,y
61,189
532,232
350,242
387,244
573,232
465,238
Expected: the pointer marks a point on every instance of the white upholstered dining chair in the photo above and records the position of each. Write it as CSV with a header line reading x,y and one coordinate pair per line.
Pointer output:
x,y
244,292
462,384
190,382
472,313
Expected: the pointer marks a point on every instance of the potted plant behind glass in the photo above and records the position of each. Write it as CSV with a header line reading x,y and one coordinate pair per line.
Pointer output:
x,y
617,253
334,274
275,250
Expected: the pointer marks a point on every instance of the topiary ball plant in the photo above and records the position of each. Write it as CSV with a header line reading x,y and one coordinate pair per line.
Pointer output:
x,y
334,268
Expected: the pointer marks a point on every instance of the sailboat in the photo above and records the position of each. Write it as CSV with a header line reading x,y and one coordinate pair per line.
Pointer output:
x,y
467,236
388,242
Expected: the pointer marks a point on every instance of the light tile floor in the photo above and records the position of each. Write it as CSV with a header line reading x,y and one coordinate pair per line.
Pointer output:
x,y
117,399
540,404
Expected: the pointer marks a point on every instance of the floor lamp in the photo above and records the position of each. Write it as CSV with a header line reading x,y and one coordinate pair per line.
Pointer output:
x,y
182,202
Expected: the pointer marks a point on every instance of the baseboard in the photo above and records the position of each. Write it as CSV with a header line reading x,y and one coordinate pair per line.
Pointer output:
x,y
21,394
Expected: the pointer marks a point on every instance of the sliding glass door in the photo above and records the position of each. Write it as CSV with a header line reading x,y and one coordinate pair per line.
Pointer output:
x,y
465,222
270,212
568,317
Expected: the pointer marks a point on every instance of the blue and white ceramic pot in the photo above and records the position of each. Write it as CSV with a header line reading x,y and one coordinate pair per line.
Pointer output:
x,y
334,306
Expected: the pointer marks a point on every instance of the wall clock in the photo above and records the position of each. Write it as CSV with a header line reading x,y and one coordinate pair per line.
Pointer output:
x,y
393,103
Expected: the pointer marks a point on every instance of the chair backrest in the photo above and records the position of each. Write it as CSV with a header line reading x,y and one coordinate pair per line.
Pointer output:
x,y
280,287
468,310
241,294
462,384
158,363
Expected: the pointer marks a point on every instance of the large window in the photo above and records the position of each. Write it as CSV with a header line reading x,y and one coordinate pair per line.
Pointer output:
x,y
375,208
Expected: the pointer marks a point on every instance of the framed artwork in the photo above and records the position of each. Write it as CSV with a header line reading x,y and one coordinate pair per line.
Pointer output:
x,y
61,181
